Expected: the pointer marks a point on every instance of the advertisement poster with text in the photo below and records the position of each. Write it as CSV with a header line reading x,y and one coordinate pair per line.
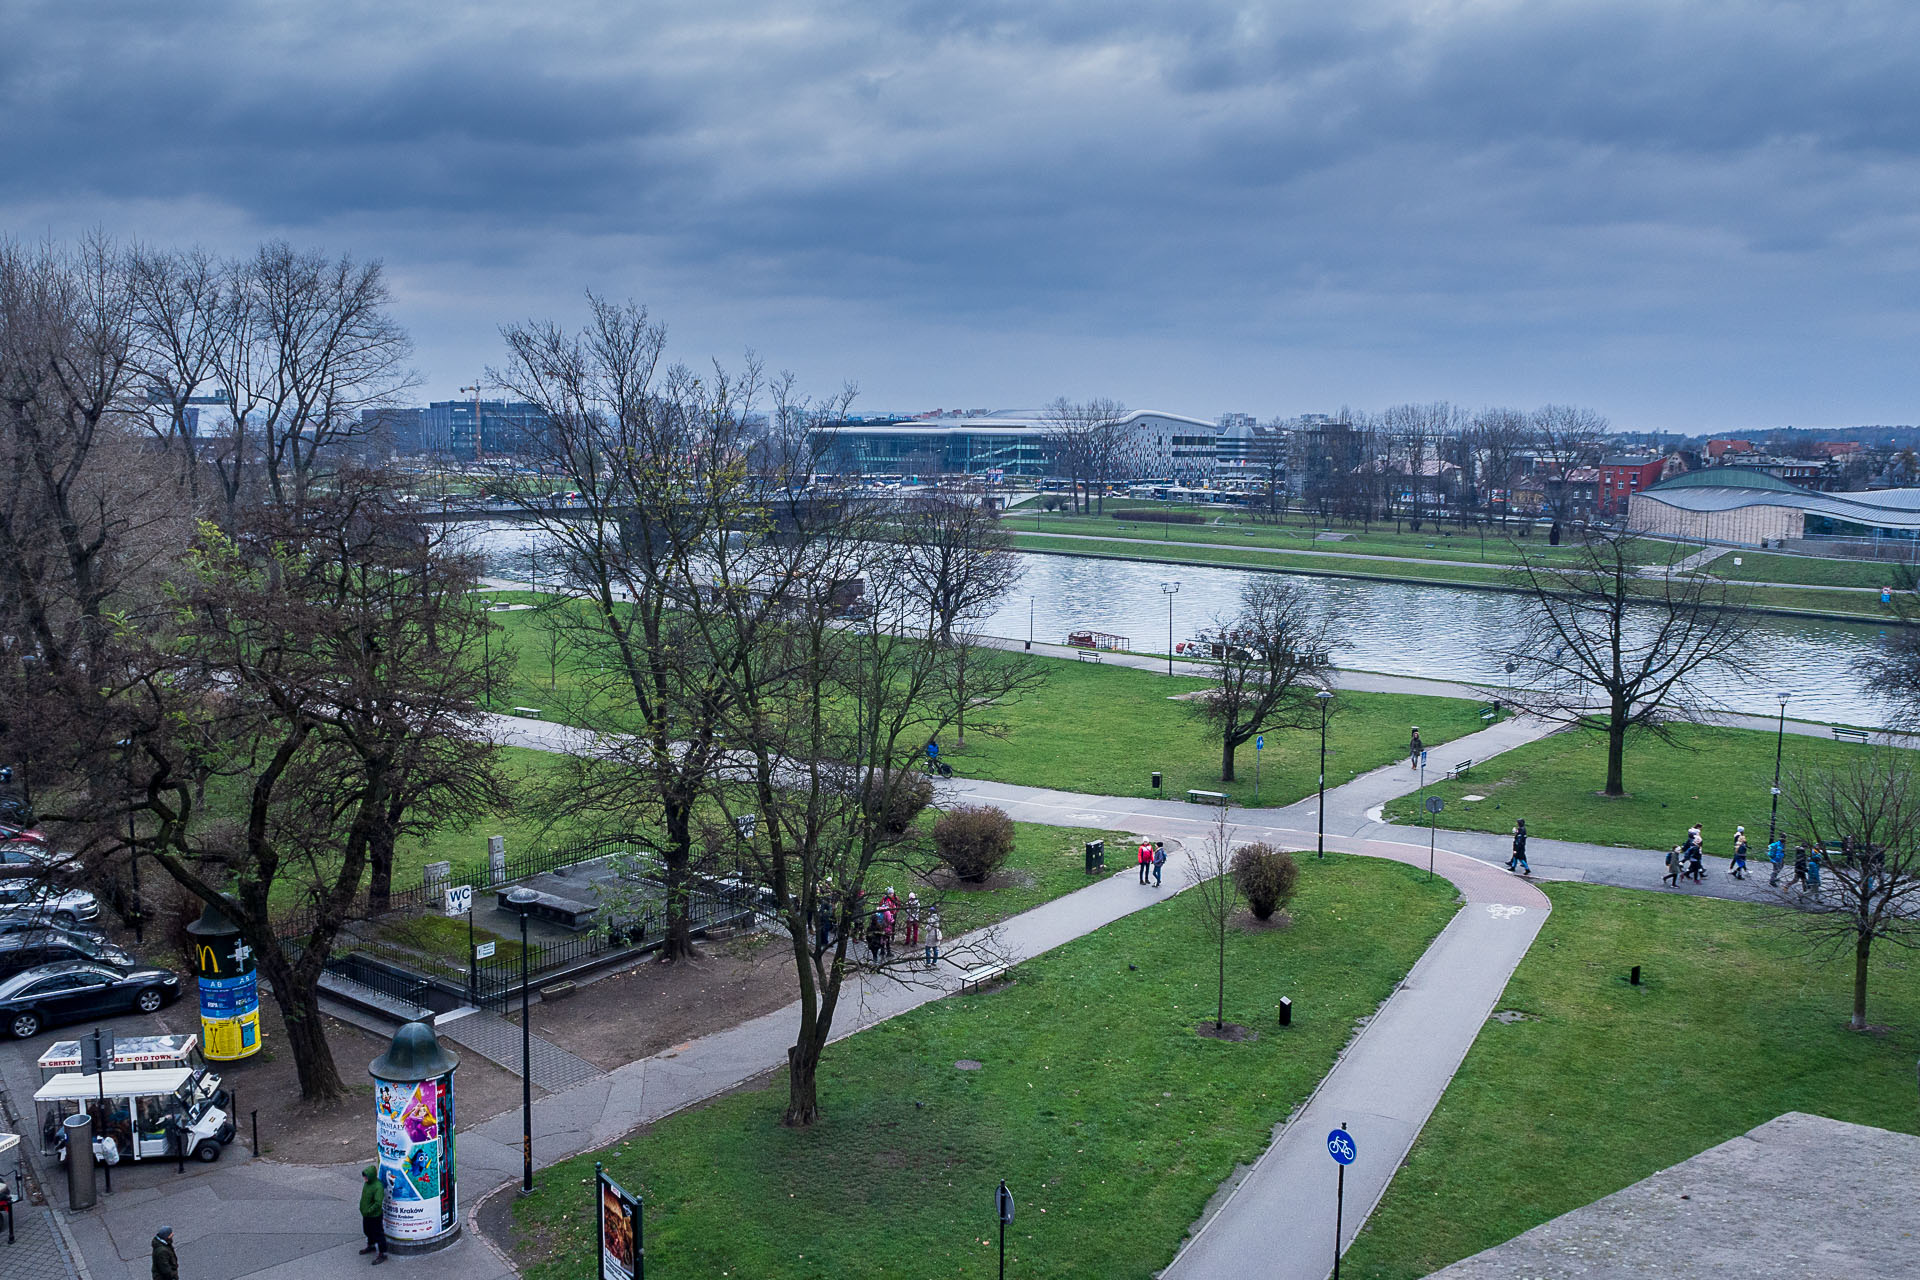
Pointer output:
x,y
619,1232
413,1125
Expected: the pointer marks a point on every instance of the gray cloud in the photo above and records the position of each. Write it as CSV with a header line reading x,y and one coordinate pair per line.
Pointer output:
x,y
1467,196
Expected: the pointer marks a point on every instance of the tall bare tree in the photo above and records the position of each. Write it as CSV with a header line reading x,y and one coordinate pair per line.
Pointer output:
x,y
1867,815
1566,438
1087,443
1271,657
178,299
1606,646
1497,439
1214,902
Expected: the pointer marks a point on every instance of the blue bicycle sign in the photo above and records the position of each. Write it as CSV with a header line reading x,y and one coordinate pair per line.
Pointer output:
x,y
1340,1146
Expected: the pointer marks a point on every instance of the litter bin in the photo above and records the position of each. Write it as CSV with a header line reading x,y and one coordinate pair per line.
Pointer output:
x,y
1096,856
80,1192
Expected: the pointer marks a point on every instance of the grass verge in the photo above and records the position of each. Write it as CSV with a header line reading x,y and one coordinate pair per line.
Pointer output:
x,y
1608,1083
1109,1117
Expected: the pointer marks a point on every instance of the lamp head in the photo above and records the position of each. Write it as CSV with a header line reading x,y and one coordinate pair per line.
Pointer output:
x,y
522,897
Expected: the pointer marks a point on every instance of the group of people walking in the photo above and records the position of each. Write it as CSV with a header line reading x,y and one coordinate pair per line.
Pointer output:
x,y
1686,860
906,921
1153,859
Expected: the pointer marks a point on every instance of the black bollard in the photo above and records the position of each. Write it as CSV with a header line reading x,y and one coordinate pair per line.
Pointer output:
x,y
1286,1011
256,1132
1634,977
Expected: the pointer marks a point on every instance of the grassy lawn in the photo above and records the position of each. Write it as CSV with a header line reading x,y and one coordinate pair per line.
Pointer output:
x,y
1111,1157
1808,570
1104,730
1047,862
1609,1083
1719,778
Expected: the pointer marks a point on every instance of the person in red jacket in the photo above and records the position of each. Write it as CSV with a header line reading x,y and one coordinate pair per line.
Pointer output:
x,y
1146,860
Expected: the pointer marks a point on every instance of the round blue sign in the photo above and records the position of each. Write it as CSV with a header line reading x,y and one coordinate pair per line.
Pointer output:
x,y
1259,741
1340,1146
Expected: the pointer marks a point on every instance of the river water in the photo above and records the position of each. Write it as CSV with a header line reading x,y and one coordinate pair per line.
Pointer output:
x,y
1391,627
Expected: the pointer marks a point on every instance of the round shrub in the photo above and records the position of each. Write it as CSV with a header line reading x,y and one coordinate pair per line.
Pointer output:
x,y
1266,877
973,841
901,803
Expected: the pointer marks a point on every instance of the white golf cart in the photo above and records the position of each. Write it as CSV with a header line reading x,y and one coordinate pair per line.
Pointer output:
x,y
150,1115
130,1053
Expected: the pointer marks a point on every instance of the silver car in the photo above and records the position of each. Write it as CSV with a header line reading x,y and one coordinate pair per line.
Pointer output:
x,y
47,904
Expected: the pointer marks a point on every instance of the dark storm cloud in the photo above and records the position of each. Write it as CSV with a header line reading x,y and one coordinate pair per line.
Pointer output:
x,y
1448,173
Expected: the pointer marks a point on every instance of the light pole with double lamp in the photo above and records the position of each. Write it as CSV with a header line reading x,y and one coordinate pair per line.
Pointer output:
x,y
1779,745
1171,587
1324,697
523,898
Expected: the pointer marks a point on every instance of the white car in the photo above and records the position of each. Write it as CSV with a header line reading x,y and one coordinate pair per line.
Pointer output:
x,y
64,907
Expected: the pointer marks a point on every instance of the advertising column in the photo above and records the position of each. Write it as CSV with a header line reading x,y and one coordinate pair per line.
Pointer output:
x,y
413,1127
229,988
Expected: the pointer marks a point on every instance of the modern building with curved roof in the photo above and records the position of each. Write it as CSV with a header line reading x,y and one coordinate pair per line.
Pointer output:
x,y
1745,507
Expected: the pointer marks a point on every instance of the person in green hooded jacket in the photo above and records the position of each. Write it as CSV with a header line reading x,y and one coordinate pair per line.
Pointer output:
x,y
373,1208
166,1265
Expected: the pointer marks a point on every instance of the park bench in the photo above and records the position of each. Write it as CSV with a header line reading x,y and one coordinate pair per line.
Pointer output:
x,y
1087,655
565,912
1849,735
1196,796
973,979
1459,771
531,713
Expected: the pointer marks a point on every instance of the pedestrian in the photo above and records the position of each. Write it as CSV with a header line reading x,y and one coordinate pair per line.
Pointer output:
x,y
932,953
1739,853
1799,865
1673,868
1777,855
1146,860
1519,845
1414,748
1813,868
875,936
373,1213
166,1264
823,922
913,919
1159,860
1696,872
889,917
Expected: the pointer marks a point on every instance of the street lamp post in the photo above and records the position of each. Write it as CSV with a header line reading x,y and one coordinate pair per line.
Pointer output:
x,y
523,898
1323,697
1029,622
1171,588
1779,745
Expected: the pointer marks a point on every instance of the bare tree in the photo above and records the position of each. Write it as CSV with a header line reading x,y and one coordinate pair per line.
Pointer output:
x,y
1271,656
1606,646
1566,439
1414,432
1214,899
1867,815
1498,437
178,299
1084,439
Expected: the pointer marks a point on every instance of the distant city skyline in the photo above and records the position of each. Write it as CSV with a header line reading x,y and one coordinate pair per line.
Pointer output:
x,y
1691,218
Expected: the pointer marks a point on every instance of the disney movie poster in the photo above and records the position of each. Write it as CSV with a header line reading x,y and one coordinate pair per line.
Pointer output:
x,y
414,1128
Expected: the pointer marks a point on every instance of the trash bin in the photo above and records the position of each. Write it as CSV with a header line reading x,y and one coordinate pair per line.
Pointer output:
x,y
1096,856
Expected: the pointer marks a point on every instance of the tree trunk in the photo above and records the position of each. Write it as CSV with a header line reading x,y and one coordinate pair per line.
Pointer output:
x,y
678,863
380,866
1220,1004
1616,755
1862,945
1226,759
803,1094
299,1004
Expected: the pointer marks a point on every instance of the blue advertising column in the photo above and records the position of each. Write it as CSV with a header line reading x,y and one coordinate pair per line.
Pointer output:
x,y
413,1125
229,988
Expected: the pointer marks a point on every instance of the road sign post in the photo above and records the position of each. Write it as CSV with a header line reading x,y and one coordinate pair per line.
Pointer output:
x,y
1259,742
1003,1203
1340,1147
1434,805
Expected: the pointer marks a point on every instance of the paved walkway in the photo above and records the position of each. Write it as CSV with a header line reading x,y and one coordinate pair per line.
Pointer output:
x,y
499,1042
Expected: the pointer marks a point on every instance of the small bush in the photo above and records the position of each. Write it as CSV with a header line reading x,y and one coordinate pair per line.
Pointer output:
x,y
903,802
973,841
1266,877
1162,517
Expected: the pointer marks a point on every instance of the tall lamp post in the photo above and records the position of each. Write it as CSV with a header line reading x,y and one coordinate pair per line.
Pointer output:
x,y
523,898
1779,745
1171,588
1324,697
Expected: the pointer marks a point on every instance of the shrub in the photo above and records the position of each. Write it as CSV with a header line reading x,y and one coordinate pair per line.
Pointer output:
x,y
896,811
1163,517
973,841
1266,877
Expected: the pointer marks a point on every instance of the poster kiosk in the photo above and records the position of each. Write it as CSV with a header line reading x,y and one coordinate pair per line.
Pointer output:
x,y
413,1128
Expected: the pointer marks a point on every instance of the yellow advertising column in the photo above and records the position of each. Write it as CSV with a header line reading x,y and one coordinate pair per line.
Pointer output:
x,y
229,988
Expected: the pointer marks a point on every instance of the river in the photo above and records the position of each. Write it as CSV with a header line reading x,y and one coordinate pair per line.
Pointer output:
x,y
1391,627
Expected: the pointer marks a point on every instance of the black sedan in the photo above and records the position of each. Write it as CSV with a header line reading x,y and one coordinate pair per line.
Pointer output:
x,y
60,993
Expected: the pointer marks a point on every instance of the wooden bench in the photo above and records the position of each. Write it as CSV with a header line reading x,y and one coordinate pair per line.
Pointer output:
x,y
565,912
531,713
1849,735
1459,771
1087,655
1197,796
973,979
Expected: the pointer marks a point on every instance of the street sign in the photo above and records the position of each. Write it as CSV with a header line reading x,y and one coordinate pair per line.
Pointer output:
x,y
459,899
1005,1204
1340,1146
1435,804
1259,741
484,951
1423,757
745,825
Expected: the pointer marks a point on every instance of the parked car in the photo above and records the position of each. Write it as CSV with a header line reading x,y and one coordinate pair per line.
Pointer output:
x,y
25,923
46,904
22,857
35,948
61,993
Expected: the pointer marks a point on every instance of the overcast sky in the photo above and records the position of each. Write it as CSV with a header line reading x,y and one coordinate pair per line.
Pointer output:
x,y
1688,215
